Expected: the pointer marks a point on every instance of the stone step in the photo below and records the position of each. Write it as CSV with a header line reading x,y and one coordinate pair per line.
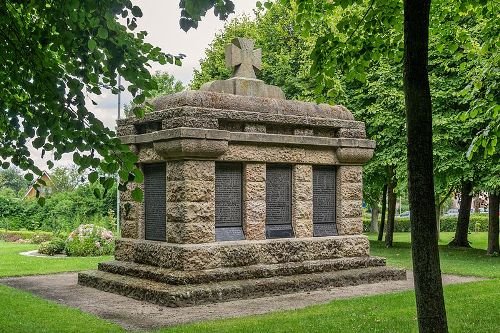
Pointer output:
x,y
176,277
190,295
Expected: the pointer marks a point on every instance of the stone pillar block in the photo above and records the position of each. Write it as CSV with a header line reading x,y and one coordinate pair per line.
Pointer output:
x,y
254,201
349,198
190,202
302,201
131,214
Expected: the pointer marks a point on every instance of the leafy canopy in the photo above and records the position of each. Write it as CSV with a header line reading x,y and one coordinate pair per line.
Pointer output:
x,y
56,56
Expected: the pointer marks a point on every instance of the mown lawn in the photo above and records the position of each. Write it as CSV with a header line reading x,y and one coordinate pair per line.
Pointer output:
x,y
459,261
14,264
472,307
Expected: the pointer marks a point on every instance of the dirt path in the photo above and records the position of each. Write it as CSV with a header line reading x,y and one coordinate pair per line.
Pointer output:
x,y
136,315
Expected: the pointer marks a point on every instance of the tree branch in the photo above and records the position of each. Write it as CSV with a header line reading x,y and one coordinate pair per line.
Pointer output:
x,y
361,20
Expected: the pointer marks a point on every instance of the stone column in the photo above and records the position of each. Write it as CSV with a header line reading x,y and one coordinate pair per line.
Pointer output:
x,y
190,202
302,201
254,201
349,196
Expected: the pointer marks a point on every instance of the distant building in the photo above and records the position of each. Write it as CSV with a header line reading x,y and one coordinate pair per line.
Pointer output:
x,y
44,189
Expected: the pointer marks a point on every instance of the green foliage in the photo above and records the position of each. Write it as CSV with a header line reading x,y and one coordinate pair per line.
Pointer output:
x,y
193,10
62,212
12,178
55,55
165,84
65,179
467,32
55,246
89,240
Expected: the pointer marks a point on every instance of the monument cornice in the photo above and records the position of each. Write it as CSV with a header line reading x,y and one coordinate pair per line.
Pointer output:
x,y
246,137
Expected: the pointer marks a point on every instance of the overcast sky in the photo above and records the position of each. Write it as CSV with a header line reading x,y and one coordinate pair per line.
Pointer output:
x,y
161,21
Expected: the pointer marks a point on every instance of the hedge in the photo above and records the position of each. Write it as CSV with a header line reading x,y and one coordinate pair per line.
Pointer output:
x,y
478,222
35,237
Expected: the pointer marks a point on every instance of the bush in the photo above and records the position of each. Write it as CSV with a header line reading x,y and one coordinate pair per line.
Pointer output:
x,y
90,240
55,246
478,222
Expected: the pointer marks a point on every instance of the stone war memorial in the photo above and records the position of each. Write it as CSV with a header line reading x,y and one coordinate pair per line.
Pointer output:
x,y
246,195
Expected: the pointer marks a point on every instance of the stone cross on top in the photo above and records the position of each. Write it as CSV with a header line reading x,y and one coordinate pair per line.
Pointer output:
x,y
242,58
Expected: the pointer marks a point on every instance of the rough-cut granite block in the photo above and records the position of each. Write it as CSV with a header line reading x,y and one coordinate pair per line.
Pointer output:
x,y
240,253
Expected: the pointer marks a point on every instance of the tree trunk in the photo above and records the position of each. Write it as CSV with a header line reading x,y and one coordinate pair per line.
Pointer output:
x,y
374,218
440,200
438,219
391,213
382,221
431,313
493,245
462,231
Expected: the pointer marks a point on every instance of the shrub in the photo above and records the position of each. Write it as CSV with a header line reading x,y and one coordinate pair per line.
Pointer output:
x,y
90,240
55,246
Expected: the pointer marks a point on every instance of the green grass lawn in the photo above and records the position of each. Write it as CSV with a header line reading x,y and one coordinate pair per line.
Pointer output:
x,y
457,261
14,264
471,307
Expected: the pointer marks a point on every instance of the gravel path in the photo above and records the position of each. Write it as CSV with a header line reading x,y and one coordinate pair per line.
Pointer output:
x,y
136,315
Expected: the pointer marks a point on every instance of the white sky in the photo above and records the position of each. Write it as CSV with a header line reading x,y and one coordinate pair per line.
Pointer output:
x,y
161,21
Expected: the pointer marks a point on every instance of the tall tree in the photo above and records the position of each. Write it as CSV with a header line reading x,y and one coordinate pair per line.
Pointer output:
x,y
65,179
425,254
13,178
165,83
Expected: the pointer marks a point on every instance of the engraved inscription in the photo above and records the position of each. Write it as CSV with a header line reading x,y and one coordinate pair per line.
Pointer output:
x,y
155,201
228,202
278,201
324,218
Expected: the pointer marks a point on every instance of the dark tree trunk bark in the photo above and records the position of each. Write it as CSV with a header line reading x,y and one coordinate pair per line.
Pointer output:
x,y
431,313
391,213
438,219
382,220
462,231
374,218
493,205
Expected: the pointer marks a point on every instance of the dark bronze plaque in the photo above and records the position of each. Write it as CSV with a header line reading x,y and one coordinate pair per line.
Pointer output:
x,y
155,201
279,201
228,201
324,219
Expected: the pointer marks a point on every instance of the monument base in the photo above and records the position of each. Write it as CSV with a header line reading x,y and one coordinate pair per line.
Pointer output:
x,y
192,274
